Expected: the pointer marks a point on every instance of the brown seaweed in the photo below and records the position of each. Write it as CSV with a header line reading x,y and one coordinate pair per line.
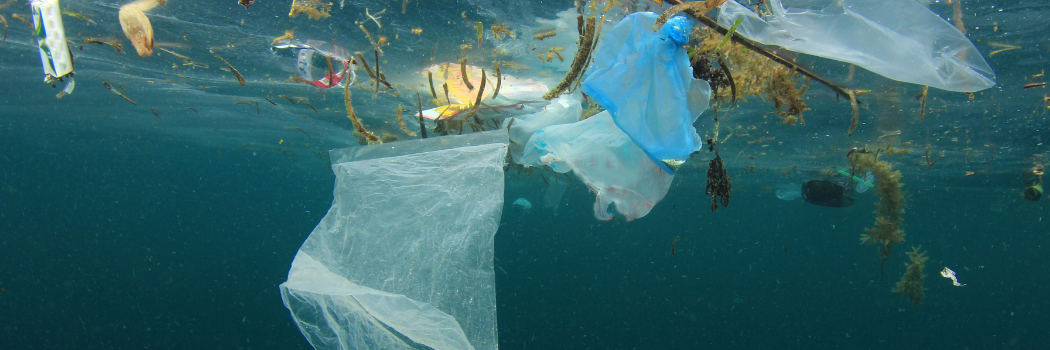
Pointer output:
x,y
583,54
910,286
372,138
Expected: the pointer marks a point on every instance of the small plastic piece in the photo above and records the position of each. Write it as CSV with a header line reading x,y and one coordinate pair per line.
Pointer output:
x,y
898,39
604,157
645,82
55,56
311,62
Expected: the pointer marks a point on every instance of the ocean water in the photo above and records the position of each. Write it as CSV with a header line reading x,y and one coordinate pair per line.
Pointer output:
x,y
170,223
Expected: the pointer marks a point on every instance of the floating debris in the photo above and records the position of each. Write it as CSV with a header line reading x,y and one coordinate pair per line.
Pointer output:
x,y
583,54
499,80
374,44
300,130
315,9
122,95
401,122
948,273
288,35
372,138
240,79
375,17
246,3
500,28
1032,85
20,18
544,33
78,16
463,74
700,7
112,43
137,26
514,65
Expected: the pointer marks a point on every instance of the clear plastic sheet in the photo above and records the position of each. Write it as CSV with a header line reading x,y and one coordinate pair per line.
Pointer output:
x,y
645,82
562,110
604,157
403,259
898,39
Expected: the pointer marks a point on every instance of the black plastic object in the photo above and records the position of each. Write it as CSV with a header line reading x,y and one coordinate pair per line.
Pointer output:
x,y
827,193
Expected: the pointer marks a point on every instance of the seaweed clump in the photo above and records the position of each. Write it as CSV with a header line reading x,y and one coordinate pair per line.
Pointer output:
x,y
750,74
719,185
910,285
315,9
890,207
786,90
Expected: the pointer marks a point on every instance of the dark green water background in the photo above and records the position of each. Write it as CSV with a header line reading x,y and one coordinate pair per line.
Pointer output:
x,y
124,241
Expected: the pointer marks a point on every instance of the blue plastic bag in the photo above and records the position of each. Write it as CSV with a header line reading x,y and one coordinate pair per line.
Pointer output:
x,y
645,81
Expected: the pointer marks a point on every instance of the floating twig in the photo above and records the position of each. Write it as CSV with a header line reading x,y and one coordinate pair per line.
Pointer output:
x,y
362,26
499,80
422,128
112,43
477,102
673,244
856,112
240,79
922,96
122,95
401,122
463,74
430,77
375,17
930,164
300,130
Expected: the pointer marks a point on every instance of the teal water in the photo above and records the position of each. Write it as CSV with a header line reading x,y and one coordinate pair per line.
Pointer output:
x,y
121,229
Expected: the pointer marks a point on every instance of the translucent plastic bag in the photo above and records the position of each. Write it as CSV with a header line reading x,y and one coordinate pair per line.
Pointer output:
x,y
614,168
645,82
403,259
563,110
898,39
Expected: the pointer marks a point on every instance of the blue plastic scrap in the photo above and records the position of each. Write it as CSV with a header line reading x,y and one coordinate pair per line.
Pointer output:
x,y
646,83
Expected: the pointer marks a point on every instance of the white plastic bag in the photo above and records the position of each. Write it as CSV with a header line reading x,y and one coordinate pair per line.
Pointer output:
x,y
562,110
403,259
604,157
898,39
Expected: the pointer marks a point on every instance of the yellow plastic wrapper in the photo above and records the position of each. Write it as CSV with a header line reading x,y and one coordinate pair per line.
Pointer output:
x,y
136,25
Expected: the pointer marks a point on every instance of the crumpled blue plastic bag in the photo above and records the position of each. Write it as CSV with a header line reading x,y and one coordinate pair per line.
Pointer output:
x,y
646,83
604,157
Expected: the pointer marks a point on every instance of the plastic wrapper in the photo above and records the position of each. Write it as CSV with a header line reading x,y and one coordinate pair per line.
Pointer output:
x,y
898,39
562,110
645,82
404,258
605,158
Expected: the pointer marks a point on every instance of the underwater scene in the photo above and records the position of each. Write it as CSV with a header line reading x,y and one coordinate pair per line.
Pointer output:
x,y
521,174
